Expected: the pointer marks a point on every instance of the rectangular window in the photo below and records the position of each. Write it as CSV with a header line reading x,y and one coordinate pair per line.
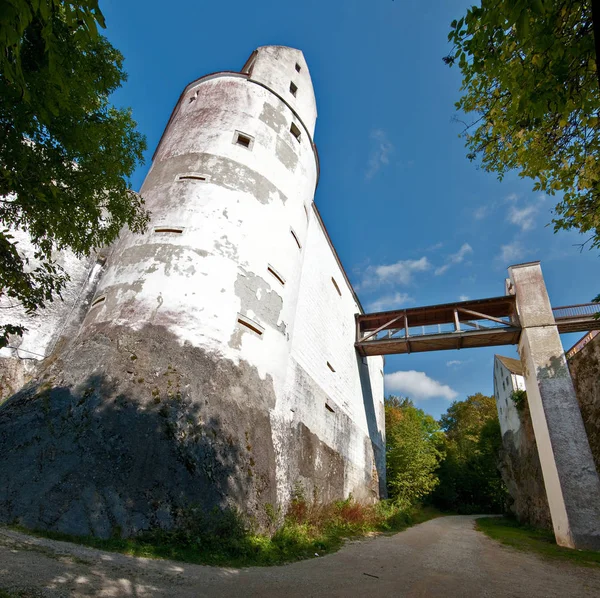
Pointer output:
x,y
295,131
293,88
330,367
168,229
298,68
243,139
250,324
276,274
296,238
335,284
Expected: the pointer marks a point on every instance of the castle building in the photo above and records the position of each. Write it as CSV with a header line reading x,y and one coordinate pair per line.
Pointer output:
x,y
211,360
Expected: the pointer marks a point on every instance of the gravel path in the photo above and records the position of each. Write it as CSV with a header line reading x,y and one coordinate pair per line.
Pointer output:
x,y
442,557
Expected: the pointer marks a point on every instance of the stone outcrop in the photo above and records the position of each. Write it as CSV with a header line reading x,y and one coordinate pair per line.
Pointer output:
x,y
522,474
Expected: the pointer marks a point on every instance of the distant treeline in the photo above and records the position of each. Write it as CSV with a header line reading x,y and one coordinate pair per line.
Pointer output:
x,y
451,463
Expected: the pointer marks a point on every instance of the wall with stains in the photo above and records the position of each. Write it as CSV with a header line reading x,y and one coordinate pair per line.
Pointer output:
x,y
18,361
227,329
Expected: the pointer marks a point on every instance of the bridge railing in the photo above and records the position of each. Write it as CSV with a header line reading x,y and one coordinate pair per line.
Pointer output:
x,y
576,311
465,325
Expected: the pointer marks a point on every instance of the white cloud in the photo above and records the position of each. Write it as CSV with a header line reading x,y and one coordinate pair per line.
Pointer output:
x,y
453,362
455,258
511,253
394,301
463,298
512,197
524,217
481,212
399,273
417,385
380,152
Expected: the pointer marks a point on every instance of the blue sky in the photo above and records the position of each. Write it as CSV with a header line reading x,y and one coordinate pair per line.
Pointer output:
x,y
396,189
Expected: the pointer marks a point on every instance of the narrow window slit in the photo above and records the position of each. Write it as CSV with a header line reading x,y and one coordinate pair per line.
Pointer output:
x,y
298,68
98,301
276,274
168,229
295,131
293,88
330,367
335,284
250,324
192,177
296,238
329,407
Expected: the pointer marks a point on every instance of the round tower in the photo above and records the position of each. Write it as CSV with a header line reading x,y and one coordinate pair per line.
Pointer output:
x,y
229,190
161,403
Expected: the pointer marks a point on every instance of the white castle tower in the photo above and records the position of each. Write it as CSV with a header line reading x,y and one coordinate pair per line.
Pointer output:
x,y
215,362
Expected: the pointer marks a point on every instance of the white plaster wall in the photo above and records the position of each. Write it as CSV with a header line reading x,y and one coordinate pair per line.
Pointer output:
x,y
505,383
325,332
275,66
235,224
46,324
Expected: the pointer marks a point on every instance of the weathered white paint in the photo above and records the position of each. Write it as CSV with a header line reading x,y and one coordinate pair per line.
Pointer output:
x,y
505,383
44,327
570,477
325,332
212,268
235,224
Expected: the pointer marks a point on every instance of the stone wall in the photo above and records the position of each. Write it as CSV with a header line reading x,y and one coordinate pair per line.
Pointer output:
x,y
585,369
519,461
18,361
522,474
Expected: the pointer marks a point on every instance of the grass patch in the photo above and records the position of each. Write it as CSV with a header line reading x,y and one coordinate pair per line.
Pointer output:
x,y
222,538
523,537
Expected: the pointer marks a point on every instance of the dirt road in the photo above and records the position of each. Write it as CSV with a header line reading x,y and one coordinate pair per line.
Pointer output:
x,y
443,557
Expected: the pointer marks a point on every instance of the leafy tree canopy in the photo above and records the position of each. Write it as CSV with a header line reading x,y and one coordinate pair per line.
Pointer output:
x,y
530,81
469,477
413,451
65,152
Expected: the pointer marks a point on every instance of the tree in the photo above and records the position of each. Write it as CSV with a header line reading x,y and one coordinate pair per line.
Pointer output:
x,y
530,78
469,477
413,451
65,152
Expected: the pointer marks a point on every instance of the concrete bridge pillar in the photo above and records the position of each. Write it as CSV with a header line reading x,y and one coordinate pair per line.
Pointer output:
x,y
570,477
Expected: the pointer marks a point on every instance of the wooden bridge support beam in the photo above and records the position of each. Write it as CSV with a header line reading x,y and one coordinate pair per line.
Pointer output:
x,y
570,477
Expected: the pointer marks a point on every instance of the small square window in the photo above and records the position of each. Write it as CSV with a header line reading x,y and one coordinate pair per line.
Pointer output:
x,y
243,139
298,68
295,131
293,88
